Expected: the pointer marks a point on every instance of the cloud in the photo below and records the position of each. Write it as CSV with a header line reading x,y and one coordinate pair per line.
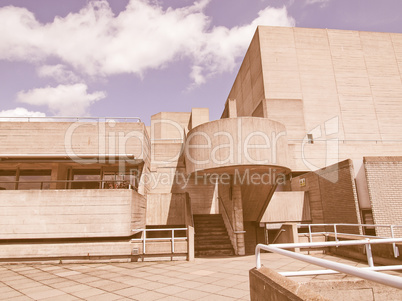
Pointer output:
x,y
144,36
19,112
222,47
322,3
64,100
59,73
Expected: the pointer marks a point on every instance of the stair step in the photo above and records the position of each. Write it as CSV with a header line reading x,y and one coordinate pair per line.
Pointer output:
x,y
212,232
214,253
211,229
214,247
206,222
214,238
209,225
211,237
214,218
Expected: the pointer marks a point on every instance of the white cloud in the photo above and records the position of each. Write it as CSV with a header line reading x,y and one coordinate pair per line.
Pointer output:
x,y
59,73
144,36
221,47
65,100
19,112
322,3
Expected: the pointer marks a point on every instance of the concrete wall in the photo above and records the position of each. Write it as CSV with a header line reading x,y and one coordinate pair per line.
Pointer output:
x,y
384,183
166,209
117,250
287,206
66,138
168,176
331,83
248,88
332,194
231,208
70,213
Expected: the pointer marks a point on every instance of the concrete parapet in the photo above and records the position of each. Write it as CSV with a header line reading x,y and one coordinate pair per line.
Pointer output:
x,y
266,284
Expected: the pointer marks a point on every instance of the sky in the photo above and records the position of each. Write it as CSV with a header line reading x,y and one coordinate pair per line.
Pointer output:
x,y
135,58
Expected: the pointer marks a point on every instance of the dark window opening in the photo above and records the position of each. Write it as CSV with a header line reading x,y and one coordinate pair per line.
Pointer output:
x,y
34,179
7,179
86,179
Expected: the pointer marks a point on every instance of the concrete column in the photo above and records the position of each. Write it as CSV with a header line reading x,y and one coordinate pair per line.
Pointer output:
x,y
54,176
238,219
232,108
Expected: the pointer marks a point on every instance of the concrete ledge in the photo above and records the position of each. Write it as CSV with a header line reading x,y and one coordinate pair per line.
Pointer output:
x,y
358,290
266,284
14,251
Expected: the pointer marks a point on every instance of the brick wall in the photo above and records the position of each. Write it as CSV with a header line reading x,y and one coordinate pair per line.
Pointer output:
x,y
384,183
332,195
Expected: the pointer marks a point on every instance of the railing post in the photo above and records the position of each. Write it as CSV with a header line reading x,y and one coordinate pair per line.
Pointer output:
x,y
394,247
172,241
309,233
144,237
257,257
369,254
336,233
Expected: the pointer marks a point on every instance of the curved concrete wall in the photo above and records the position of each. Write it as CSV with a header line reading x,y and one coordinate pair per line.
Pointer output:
x,y
231,142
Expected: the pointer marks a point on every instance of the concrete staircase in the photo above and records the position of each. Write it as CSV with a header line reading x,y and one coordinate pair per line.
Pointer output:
x,y
211,237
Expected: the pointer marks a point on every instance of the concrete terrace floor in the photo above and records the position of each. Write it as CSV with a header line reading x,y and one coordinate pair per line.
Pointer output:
x,y
204,279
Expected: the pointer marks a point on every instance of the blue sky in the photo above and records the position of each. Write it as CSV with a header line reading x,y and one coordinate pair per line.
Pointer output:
x,y
123,58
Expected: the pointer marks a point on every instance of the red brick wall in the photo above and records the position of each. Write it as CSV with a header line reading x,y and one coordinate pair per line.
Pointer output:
x,y
384,183
332,195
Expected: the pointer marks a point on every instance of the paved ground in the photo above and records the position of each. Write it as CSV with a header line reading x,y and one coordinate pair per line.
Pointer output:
x,y
204,279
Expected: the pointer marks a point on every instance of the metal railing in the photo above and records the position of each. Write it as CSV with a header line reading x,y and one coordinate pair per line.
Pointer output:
x,y
103,184
336,233
69,118
172,238
368,273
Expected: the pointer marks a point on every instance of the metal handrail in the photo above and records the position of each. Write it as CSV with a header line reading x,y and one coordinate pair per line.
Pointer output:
x,y
82,118
172,238
366,273
336,233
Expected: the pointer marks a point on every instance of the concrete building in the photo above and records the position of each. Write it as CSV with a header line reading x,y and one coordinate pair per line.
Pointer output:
x,y
310,133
